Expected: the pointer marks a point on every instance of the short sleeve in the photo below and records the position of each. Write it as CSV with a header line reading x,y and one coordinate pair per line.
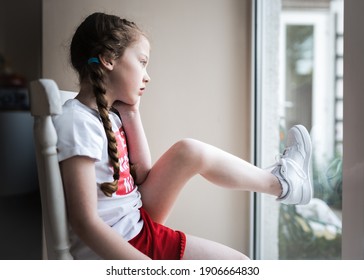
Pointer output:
x,y
80,133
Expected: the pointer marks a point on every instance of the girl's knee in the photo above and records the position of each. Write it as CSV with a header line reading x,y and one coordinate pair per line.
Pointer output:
x,y
187,144
189,151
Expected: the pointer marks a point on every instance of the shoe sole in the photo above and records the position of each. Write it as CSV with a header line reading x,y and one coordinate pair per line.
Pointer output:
x,y
307,191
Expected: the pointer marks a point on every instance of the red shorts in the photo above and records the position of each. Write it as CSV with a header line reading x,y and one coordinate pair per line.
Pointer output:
x,y
158,241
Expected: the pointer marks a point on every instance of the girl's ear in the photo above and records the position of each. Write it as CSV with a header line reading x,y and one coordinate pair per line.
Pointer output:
x,y
107,62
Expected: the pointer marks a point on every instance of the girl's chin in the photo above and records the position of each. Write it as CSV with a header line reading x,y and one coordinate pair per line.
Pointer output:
x,y
129,102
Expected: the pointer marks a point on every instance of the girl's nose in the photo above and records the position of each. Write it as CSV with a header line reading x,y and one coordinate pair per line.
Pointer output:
x,y
146,78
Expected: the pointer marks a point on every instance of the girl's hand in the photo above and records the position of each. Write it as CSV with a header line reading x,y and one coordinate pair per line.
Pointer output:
x,y
139,154
125,109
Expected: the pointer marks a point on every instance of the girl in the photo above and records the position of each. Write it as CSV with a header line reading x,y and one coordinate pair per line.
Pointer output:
x,y
116,200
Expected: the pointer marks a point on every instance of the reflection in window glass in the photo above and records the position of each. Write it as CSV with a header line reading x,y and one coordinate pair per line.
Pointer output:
x,y
299,76
301,83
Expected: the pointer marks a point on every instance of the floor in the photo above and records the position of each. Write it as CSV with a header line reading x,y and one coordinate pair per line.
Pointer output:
x,y
21,227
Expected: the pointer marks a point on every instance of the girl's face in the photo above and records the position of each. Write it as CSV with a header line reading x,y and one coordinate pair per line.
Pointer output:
x,y
128,76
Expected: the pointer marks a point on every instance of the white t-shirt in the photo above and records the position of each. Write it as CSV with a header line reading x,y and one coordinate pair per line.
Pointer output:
x,y
81,133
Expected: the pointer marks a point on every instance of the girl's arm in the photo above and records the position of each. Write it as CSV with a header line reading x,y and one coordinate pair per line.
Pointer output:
x,y
138,148
79,180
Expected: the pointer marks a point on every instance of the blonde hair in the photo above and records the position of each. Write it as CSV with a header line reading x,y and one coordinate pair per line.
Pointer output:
x,y
109,36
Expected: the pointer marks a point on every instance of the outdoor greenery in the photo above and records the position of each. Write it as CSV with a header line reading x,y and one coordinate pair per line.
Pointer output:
x,y
298,238
298,241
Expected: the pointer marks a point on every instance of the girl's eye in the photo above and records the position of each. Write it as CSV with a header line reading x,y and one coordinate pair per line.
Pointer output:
x,y
143,62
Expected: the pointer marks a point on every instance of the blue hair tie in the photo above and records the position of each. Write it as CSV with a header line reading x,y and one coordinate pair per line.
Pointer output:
x,y
93,60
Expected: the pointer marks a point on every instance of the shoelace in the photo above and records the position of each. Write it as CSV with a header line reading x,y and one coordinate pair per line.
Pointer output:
x,y
282,160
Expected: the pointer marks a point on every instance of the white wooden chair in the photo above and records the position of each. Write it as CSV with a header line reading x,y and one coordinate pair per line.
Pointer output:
x,y
46,100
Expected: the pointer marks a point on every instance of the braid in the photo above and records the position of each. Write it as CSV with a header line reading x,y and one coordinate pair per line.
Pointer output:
x,y
96,79
109,36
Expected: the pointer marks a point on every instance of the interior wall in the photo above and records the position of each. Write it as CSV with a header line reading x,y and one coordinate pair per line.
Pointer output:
x,y
353,163
20,36
20,208
200,88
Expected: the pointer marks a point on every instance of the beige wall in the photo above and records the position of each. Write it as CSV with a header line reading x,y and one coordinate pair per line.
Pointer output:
x,y
200,88
353,168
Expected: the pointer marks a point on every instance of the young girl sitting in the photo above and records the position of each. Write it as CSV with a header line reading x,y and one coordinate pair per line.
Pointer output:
x,y
117,201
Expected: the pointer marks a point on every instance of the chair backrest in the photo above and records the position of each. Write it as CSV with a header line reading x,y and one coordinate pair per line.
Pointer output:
x,y
46,100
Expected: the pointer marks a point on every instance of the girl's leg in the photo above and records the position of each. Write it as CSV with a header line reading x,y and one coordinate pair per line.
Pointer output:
x,y
190,157
202,249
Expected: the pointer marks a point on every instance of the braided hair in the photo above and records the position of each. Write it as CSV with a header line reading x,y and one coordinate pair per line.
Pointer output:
x,y
108,36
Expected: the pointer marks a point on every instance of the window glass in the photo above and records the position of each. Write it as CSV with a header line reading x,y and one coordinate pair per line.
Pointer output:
x,y
299,81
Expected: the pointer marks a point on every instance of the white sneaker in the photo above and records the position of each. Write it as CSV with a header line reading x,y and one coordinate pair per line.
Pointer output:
x,y
293,167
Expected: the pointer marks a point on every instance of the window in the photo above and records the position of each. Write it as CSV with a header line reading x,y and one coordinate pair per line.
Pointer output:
x,y
298,78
